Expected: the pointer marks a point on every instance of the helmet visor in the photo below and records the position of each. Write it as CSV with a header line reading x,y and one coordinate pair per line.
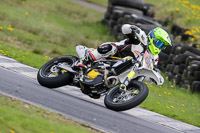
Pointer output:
x,y
159,44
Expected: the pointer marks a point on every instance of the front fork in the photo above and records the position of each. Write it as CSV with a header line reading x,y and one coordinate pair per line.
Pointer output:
x,y
129,77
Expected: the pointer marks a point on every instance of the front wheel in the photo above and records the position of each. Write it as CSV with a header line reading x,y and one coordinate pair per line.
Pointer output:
x,y
51,76
135,94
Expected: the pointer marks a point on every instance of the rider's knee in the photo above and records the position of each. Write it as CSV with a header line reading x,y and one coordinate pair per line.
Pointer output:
x,y
104,48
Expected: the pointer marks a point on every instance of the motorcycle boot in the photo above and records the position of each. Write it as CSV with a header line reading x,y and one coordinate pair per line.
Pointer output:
x,y
84,61
87,59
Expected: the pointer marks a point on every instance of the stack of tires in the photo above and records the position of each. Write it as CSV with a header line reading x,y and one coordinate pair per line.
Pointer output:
x,y
184,66
163,58
135,12
181,62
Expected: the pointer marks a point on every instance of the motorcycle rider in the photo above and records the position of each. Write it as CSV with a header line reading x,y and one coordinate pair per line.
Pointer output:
x,y
135,46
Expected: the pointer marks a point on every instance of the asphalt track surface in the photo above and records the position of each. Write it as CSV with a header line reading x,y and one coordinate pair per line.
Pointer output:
x,y
93,114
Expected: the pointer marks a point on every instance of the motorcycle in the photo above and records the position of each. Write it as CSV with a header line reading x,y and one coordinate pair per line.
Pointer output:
x,y
102,77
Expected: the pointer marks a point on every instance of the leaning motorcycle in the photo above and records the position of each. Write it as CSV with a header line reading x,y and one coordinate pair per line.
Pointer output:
x,y
102,77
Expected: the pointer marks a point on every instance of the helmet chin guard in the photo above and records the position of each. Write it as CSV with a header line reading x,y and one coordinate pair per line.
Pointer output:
x,y
158,40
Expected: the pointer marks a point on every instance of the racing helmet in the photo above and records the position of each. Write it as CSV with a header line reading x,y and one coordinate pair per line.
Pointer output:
x,y
158,39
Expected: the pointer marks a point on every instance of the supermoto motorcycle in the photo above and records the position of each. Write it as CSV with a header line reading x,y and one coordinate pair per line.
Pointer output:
x,y
102,77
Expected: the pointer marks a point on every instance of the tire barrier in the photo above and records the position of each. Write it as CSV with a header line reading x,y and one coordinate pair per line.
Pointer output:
x,y
183,67
135,12
181,63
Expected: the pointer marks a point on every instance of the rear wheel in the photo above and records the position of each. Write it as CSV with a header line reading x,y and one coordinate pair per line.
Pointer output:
x,y
51,76
119,101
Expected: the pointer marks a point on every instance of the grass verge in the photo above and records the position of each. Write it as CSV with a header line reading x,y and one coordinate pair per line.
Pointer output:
x,y
174,102
50,27
26,57
33,32
20,117
99,2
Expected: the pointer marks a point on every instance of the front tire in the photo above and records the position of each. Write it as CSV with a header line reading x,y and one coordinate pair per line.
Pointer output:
x,y
52,77
136,93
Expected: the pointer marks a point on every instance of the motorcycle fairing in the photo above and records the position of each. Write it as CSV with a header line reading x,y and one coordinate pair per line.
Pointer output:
x,y
141,72
146,71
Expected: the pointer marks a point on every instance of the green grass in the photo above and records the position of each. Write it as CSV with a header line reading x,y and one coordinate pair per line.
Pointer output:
x,y
20,117
33,32
174,102
29,58
50,27
99,2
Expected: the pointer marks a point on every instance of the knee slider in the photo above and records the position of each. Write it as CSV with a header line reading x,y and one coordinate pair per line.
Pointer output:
x,y
105,48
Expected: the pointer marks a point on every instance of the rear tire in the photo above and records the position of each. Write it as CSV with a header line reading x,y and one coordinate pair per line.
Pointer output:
x,y
61,78
135,100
